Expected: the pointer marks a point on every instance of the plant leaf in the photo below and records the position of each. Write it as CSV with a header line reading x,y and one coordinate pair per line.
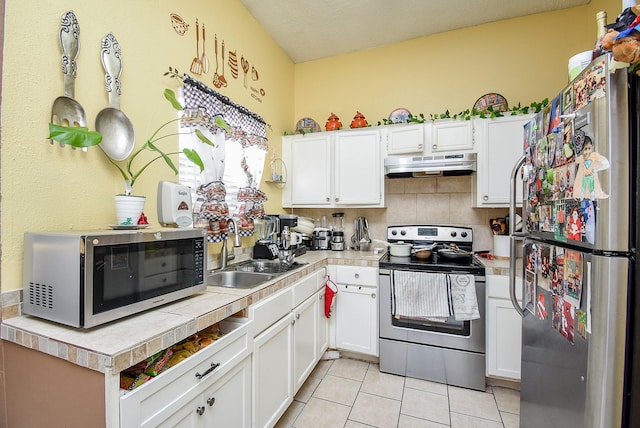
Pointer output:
x,y
221,123
171,97
166,158
193,156
75,136
203,138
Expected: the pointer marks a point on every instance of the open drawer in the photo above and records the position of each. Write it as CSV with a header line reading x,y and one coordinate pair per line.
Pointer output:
x,y
158,398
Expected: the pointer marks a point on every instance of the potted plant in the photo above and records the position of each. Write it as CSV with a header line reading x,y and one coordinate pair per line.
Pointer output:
x,y
130,172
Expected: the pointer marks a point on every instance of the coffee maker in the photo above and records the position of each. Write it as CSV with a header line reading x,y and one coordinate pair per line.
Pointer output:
x,y
267,229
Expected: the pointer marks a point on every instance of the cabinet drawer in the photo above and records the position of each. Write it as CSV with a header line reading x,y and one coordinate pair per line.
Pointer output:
x,y
498,287
356,275
307,286
169,389
269,310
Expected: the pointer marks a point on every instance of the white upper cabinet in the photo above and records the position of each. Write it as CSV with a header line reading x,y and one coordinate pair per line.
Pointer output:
x,y
403,138
308,162
333,169
449,135
499,146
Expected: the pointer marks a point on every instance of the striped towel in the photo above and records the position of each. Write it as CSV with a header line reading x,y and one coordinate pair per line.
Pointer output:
x,y
463,297
420,295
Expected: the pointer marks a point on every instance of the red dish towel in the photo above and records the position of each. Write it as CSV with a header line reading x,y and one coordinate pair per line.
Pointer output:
x,y
331,289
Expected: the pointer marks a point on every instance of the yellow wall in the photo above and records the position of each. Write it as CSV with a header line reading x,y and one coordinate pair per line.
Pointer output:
x,y
524,59
45,187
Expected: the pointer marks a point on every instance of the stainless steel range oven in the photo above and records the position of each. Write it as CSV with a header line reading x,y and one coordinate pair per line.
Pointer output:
x,y
430,326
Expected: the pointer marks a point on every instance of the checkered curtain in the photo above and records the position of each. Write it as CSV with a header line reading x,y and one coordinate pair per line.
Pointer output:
x,y
247,128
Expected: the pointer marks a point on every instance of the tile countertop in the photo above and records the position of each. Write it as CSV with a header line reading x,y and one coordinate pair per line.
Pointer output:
x,y
116,346
500,266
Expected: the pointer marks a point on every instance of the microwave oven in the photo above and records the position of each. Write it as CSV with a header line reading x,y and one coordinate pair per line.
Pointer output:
x,y
84,279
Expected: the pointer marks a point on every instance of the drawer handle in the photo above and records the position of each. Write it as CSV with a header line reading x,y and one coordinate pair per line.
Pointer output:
x,y
209,370
200,410
211,400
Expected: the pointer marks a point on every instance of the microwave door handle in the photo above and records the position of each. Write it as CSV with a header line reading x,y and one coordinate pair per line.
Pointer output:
x,y
513,237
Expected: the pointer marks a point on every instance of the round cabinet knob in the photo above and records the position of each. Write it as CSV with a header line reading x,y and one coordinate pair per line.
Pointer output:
x,y
434,146
485,198
419,146
293,322
357,275
211,400
373,295
200,410
328,199
297,316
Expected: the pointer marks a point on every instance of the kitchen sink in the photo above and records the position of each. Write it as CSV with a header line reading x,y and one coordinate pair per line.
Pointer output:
x,y
238,279
250,274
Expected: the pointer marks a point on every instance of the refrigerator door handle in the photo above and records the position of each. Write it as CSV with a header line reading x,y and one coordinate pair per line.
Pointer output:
x,y
513,236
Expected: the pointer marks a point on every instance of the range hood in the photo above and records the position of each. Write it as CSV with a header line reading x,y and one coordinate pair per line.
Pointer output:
x,y
429,166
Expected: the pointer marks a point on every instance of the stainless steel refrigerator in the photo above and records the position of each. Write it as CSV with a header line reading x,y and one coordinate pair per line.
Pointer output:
x,y
580,208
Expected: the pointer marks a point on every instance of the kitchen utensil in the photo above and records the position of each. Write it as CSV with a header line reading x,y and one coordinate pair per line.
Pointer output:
x,y
118,137
66,110
245,68
178,24
222,78
196,64
423,251
400,249
233,64
204,60
216,77
456,254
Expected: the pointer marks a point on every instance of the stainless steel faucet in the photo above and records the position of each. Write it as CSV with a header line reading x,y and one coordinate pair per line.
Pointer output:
x,y
224,257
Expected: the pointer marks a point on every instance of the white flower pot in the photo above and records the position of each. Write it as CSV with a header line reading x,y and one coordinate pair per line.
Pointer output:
x,y
129,208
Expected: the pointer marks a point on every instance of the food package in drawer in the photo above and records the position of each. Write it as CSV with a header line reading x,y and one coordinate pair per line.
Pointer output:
x,y
217,350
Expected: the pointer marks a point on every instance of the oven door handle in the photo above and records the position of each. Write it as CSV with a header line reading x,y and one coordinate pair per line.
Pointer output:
x,y
514,238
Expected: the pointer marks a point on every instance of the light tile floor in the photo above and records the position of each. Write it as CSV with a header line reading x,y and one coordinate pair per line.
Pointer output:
x,y
348,393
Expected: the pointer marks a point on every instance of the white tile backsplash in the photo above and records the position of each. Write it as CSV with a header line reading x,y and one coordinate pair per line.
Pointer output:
x,y
433,200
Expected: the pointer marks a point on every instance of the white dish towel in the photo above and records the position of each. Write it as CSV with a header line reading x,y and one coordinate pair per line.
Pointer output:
x,y
463,297
420,295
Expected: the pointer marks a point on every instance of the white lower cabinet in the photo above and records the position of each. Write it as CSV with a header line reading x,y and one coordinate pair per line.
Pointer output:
x,y
226,403
220,372
272,375
356,317
504,329
287,349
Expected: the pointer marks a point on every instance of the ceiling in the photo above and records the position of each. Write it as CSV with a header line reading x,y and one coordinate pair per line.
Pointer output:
x,y
311,29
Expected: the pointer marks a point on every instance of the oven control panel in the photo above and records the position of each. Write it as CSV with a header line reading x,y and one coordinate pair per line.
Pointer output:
x,y
410,233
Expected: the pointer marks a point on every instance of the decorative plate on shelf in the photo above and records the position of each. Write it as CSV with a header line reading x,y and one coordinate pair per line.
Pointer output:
x,y
306,125
128,226
399,115
496,101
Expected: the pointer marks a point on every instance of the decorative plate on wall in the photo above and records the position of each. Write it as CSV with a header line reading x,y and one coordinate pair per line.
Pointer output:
x,y
496,101
399,115
306,125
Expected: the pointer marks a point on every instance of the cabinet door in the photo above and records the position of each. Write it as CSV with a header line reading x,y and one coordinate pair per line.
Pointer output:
x,y
228,402
358,168
357,319
309,165
451,135
323,324
499,144
404,139
305,339
272,388
504,329
504,339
